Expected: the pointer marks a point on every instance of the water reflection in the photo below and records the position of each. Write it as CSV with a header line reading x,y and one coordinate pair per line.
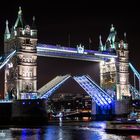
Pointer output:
x,y
5,134
134,137
71,131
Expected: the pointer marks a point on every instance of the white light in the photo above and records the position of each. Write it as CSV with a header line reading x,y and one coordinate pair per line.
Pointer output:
x,y
15,32
31,32
112,60
102,63
54,49
108,55
4,63
23,32
7,59
10,65
80,49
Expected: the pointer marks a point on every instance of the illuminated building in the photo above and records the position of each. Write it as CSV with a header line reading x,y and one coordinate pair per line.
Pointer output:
x,y
123,73
114,74
21,70
20,73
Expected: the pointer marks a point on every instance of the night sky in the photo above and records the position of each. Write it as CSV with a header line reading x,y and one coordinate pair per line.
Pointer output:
x,y
81,20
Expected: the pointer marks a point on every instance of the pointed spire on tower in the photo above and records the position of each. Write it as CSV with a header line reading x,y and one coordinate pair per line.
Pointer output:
x,y
33,28
7,32
20,11
33,23
101,47
112,29
19,21
117,41
111,37
125,40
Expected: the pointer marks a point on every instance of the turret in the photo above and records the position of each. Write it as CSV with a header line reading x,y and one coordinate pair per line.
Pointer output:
x,y
7,32
117,41
101,47
125,42
33,28
19,22
110,42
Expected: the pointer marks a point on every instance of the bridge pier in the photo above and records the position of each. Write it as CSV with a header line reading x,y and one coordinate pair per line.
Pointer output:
x,y
118,109
101,112
29,112
23,112
122,108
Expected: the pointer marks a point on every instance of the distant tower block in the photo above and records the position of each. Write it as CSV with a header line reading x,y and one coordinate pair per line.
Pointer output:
x,y
23,38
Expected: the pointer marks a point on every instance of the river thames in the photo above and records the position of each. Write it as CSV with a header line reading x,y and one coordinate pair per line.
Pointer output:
x,y
64,131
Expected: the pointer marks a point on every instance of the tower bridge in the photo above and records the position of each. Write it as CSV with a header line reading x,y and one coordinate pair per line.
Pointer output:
x,y
20,63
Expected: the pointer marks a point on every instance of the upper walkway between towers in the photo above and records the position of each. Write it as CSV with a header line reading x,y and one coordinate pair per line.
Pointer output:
x,y
78,53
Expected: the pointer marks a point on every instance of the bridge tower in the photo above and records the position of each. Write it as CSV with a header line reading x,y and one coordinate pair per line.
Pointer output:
x,y
21,71
108,67
123,90
114,74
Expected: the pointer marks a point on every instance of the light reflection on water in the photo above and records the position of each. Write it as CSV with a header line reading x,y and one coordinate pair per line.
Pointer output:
x,y
71,131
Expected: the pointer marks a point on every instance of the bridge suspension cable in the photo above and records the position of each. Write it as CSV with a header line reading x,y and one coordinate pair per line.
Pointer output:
x,y
6,59
135,92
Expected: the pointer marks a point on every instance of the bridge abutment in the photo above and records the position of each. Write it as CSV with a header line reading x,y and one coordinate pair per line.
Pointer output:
x,y
29,112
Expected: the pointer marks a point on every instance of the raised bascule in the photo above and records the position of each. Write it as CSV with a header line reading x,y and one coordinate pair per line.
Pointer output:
x,y
20,63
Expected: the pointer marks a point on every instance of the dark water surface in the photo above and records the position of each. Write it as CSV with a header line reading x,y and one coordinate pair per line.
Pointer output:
x,y
64,131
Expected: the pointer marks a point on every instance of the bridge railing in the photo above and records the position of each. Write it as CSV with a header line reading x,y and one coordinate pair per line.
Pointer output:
x,y
135,93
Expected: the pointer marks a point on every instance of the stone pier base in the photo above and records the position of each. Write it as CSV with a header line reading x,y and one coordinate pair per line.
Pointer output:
x,y
122,108
118,109
29,111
